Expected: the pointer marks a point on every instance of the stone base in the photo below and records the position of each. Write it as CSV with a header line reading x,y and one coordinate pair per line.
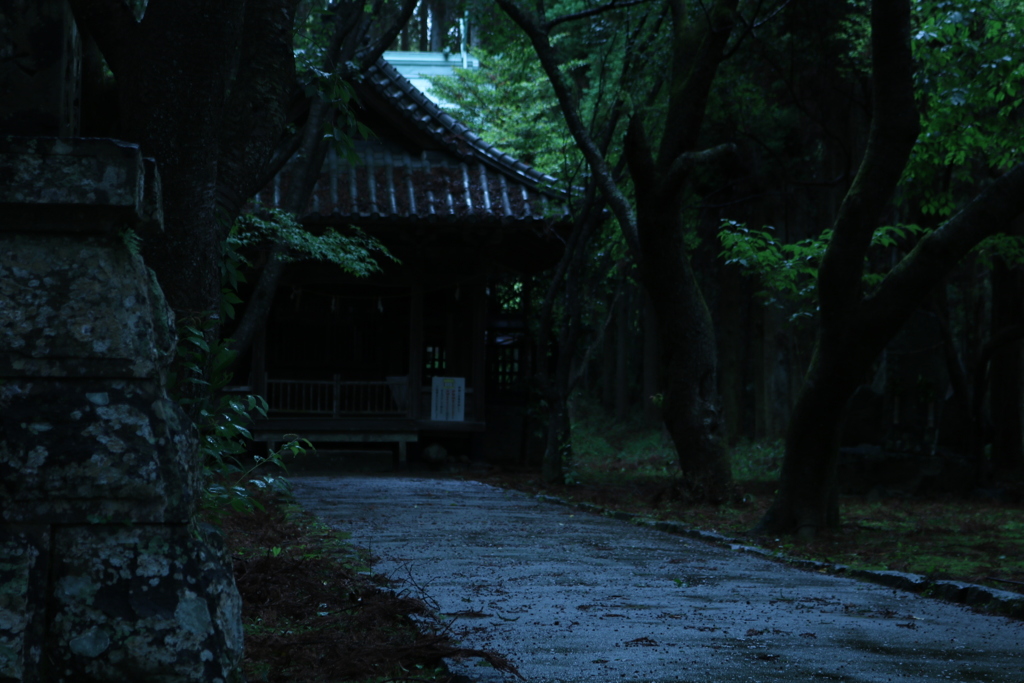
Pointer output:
x,y
129,604
104,574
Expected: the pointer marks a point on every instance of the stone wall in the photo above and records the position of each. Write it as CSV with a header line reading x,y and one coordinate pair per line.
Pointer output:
x,y
104,573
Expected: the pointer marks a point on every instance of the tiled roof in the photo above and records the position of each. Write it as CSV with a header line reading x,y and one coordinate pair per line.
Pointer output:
x,y
454,176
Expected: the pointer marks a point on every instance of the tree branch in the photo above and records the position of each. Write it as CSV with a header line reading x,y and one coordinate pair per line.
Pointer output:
x,y
373,53
309,149
690,81
576,376
894,128
616,199
593,11
686,162
991,212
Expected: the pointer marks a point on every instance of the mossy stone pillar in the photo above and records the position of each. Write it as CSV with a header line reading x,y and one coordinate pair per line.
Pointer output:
x,y
104,573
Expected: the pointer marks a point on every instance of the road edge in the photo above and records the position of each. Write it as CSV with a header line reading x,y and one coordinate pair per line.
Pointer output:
x,y
981,598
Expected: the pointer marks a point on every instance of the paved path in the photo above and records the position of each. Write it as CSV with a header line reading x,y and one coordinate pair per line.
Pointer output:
x,y
573,597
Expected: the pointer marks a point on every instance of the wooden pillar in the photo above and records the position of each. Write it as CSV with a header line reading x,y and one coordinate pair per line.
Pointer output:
x,y
415,348
479,368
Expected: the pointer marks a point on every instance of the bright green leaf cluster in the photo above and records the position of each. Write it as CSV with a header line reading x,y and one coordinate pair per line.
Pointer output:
x,y
788,273
969,84
511,104
352,252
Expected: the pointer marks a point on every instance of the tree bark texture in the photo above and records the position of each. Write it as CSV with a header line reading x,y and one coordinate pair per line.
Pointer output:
x,y
622,320
651,361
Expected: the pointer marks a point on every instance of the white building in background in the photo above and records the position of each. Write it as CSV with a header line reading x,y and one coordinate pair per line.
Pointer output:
x,y
418,66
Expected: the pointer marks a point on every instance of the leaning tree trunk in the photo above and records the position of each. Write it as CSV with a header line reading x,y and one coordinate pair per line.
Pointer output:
x,y
559,386
558,444
807,496
853,328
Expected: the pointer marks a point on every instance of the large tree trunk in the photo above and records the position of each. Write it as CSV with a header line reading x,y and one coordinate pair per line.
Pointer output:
x,y
687,341
807,499
853,328
659,178
172,100
652,362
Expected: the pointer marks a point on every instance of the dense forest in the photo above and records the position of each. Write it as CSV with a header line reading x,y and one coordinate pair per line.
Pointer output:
x,y
808,204
795,221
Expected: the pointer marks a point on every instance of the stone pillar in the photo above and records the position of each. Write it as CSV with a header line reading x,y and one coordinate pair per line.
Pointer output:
x,y
104,573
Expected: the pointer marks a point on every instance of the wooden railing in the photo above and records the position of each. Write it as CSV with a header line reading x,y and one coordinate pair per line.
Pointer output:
x,y
337,398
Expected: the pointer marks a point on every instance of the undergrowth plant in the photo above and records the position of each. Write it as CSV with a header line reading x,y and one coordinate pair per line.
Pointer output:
x,y
202,372
606,448
757,460
198,382
223,421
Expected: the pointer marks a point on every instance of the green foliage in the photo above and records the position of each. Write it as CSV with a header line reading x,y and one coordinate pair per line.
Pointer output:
x,y
198,383
607,450
132,241
970,84
352,252
232,274
788,273
314,31
1008,248
223,421
757,460
511,104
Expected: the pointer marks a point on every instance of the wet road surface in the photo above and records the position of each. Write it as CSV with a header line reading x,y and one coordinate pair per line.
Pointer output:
x,y
572,597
